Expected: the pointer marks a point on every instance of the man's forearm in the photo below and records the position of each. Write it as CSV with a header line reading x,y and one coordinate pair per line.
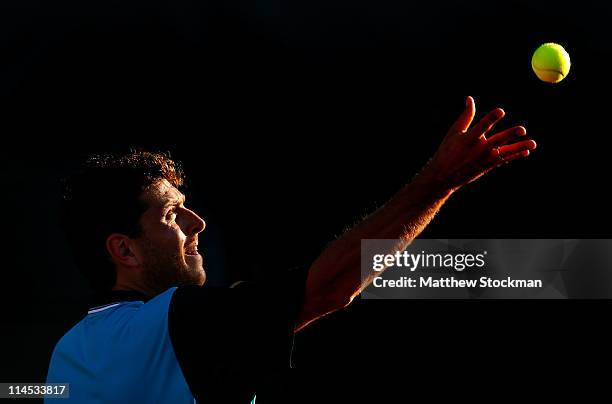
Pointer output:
x,y
335,277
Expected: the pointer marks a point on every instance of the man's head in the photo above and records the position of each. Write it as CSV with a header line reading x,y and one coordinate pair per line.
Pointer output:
x,y
128,225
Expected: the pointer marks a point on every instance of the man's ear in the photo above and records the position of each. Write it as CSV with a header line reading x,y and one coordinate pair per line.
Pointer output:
x,y
120,247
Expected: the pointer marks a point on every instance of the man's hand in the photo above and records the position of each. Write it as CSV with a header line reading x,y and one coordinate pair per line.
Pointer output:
x,y
467,153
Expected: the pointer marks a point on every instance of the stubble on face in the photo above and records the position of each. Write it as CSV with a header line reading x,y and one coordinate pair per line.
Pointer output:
x,y
164,269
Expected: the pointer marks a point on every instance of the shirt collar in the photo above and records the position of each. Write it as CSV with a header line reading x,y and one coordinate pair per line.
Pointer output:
x,y
116,296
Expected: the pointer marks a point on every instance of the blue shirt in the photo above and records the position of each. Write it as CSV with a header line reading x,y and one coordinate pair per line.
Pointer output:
x,y
121,353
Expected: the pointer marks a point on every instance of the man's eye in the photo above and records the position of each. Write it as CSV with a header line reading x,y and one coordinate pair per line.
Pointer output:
x,y
171,215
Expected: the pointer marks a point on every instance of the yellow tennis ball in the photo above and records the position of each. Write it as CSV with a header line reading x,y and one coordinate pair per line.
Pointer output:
x,y
551,63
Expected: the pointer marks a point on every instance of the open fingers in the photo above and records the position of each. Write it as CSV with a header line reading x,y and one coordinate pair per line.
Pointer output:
x,y
505,154
523,153
510,149
486,123
503,137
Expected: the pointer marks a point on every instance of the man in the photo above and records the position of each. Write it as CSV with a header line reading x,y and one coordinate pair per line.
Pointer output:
x,y
157,335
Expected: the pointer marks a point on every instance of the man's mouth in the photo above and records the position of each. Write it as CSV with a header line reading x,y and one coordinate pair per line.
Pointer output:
x,y
192,249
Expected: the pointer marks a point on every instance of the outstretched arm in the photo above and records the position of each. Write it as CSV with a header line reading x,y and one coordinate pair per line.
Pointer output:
x,y
465,154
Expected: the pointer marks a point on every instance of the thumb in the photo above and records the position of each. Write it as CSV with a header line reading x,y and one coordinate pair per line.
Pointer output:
x,y
465,119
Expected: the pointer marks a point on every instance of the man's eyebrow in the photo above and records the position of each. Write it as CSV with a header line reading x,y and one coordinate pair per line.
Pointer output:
x,y
175,201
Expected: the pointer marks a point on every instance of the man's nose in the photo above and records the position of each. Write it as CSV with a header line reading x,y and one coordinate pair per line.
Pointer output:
x,y
195,224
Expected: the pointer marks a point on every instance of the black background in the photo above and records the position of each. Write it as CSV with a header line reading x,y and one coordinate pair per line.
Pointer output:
x,y
293,120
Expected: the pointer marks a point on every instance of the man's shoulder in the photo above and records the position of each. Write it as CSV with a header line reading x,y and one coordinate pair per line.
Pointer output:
x,y
119,318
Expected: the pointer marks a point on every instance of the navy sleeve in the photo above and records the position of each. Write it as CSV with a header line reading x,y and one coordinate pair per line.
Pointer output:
x,y
230,343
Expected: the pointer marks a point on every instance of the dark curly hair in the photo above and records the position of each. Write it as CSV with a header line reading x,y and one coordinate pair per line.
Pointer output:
x,y
103,197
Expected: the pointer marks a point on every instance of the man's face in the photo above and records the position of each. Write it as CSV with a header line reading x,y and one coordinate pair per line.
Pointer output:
x,y
169,240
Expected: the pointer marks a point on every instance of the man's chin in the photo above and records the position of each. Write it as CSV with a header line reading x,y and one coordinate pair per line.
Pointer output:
x,y
195,268
201,277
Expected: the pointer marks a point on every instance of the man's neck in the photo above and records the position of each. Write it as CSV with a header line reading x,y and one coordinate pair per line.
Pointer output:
x,y
133,287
